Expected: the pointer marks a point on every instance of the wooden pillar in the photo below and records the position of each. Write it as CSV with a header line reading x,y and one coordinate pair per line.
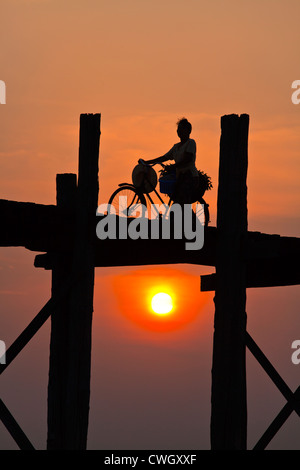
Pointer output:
x,y
69,379
66,188
82,292
229,406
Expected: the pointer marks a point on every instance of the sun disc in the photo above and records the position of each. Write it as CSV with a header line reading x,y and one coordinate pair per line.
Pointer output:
x,y
161,303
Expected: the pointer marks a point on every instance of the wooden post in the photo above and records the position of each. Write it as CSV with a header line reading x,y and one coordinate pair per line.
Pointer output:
x,y
82,292
69,380
229,407
66,189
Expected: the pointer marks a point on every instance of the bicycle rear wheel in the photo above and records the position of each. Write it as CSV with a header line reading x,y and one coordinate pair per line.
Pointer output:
x,y
126,201
201,210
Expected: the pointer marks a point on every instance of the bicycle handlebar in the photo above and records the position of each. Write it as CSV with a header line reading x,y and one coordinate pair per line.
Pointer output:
x,y
142,162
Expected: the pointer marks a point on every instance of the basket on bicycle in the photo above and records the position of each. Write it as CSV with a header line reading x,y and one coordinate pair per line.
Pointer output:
x,y
144,178
205,183
167,181
167,185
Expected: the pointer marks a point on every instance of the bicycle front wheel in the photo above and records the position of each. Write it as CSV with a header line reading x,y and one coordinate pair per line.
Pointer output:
x,y
127,202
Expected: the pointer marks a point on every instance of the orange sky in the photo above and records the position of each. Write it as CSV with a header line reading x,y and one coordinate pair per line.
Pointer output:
x,y
143,64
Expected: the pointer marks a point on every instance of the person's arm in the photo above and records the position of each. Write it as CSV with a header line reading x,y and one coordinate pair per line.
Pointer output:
x,y
163,158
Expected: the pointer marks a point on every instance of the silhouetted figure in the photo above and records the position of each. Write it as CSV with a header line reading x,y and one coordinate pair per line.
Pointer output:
x,y
184,155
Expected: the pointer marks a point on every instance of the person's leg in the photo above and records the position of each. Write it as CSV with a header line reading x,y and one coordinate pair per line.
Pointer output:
x,y
178,193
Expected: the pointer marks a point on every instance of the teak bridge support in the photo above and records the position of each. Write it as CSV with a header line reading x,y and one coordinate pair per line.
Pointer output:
x,y
70,348
65,235
229,404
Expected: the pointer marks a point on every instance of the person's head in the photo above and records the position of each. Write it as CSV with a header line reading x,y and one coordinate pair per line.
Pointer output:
x,y
184,128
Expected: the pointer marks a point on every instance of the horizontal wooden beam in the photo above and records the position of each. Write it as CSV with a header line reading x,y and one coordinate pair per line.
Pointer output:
x,y
266,273
37,227
271,259
48,228
145,252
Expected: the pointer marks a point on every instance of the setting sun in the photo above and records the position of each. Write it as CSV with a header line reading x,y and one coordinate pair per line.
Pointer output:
x,y
168,298
161,303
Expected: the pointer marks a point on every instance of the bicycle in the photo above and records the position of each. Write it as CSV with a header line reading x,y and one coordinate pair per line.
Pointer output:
x,y
134,197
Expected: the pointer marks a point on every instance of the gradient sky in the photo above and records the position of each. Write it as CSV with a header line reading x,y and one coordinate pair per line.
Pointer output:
x,y
143,64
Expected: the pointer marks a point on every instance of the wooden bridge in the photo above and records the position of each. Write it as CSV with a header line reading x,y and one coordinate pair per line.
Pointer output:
x,y
65,236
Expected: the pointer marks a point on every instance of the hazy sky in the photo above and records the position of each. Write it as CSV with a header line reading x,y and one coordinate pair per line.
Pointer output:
x,y
143,64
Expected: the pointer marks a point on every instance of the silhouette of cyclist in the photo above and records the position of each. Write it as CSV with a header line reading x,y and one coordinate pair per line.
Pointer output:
x,y
184,155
